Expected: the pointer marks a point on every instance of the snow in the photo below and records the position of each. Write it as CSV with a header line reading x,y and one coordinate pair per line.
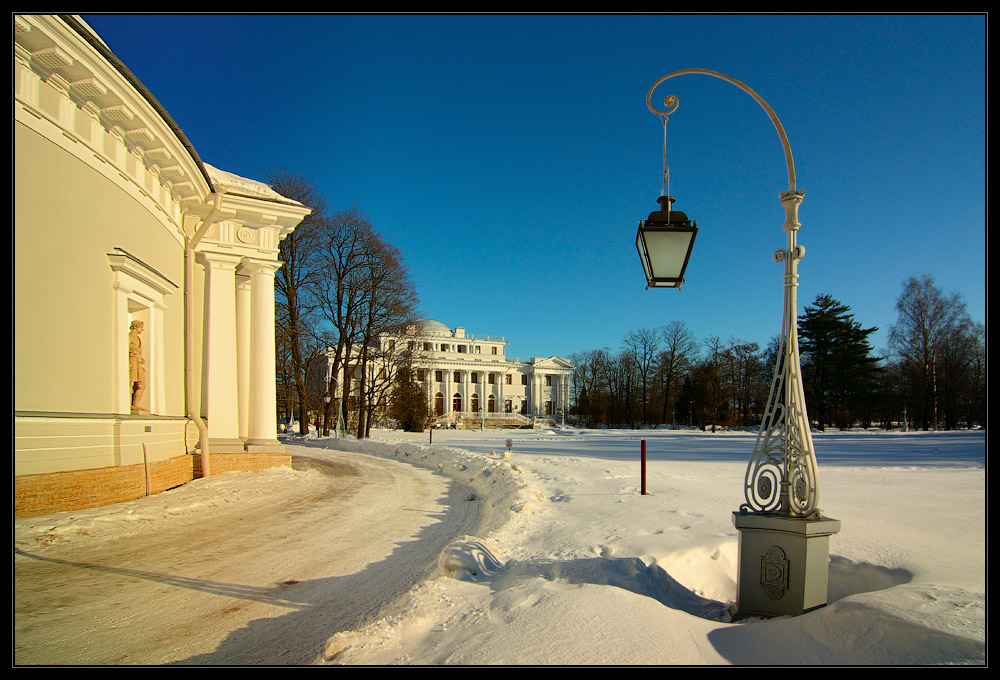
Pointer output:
x,y
576,567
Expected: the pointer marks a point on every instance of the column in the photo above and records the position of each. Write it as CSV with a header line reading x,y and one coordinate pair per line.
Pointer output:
x,y
219,387
262,426
243,353
564,396
429,387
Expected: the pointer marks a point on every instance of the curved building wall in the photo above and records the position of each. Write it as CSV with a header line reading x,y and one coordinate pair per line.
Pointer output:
x,y
68,219
107,193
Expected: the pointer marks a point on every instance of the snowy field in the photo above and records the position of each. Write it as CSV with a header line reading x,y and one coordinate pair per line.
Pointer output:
x,y
582,569
575,566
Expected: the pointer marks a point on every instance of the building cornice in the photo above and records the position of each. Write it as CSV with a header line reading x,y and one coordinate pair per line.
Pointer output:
x,y
70,88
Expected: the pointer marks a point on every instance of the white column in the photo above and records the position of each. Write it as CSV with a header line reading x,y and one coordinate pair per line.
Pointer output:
x,y
429,389
219,351
262,428
467,393
243,353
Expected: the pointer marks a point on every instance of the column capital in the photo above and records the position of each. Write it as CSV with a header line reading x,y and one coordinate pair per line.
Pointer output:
x,y
251,266
211,258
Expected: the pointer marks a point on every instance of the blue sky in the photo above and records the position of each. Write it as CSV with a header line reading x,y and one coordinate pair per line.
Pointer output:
x,y
512,157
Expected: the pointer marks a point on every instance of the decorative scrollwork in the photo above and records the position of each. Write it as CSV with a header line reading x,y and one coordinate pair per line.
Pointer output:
x,y
670,103
781,474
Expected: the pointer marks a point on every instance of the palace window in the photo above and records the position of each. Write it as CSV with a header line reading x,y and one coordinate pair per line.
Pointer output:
x,y
475,403
548,381
438,376
492,378
491,404
456,403
509,379
475,378
494,350
458,376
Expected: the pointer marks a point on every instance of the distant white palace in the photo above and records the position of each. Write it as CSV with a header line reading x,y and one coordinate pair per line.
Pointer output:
x,y
469,377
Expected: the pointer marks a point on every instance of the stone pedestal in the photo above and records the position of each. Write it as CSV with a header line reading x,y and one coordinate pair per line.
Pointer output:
x,y
784,564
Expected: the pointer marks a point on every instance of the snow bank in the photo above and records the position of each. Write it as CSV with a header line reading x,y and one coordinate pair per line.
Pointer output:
x,y
575,567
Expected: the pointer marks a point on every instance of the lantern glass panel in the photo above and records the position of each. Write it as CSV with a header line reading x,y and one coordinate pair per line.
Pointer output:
x,y
667,252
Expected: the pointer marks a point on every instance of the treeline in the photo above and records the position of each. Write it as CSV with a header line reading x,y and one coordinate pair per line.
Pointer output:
x,y
340,287
932,375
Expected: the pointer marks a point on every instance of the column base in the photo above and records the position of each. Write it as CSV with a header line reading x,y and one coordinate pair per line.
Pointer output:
x,y
264,446
226,445
784,564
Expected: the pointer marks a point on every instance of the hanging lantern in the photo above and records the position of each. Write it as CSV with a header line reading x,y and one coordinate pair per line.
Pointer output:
x,y
664,242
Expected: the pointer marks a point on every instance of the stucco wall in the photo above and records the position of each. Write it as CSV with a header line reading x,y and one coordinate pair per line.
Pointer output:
x,y
68,218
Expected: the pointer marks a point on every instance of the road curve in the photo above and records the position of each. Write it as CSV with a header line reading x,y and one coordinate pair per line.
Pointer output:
x,y
244,584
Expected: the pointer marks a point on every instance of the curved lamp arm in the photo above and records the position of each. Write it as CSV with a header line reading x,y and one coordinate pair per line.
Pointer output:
x,y
671,103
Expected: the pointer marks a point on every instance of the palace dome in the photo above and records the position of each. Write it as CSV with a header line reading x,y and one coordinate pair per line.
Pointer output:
x,y
432,327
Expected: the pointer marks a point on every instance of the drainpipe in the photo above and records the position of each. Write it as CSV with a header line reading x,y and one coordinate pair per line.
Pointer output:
x,y
190,380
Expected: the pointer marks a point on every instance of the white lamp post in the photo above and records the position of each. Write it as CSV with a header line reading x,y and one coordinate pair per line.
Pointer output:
x,y
784,540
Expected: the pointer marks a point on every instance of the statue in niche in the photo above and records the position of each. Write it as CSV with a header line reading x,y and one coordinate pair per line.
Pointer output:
x,y
136,366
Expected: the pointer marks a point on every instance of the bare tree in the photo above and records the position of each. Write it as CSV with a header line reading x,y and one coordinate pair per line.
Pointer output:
x,y
675,359
743,365
644,345
928,328
340,295
389,302
292,282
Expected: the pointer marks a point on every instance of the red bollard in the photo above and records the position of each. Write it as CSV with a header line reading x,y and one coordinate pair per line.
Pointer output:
x,y
643,456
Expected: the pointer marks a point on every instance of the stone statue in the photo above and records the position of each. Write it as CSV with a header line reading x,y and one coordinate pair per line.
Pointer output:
x,y
136,366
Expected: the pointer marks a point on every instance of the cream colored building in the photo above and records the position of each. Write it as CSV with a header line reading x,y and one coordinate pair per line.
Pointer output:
x,y
469,378
117,220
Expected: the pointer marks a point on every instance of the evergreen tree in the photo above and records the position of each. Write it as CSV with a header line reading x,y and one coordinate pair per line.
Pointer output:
x,y
838,369
408,402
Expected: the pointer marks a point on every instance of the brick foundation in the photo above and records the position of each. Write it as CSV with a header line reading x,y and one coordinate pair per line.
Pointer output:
x,y
79,489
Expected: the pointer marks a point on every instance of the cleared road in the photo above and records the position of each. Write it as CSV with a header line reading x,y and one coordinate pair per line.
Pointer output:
x,y
243,584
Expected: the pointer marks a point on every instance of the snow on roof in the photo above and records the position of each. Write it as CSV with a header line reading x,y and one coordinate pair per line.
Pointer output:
x,y
435,327
235,184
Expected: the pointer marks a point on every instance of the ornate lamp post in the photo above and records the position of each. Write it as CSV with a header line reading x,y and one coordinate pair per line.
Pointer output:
x,y
784,540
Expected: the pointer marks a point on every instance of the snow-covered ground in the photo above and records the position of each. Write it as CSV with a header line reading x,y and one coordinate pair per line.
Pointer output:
x,y
577,567
587,571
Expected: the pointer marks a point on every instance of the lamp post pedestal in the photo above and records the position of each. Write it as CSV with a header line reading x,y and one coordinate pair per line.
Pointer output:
x,y
783,564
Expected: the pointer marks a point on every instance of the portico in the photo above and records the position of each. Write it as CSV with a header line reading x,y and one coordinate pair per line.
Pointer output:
x,y
239,255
